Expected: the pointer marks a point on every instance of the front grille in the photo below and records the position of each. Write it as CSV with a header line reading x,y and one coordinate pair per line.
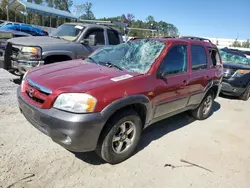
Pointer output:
x,y
40,101
7,56
35,94
15,52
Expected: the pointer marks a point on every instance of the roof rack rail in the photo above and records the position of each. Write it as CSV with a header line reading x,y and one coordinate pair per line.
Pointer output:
x,y
102,22
142,29
195,38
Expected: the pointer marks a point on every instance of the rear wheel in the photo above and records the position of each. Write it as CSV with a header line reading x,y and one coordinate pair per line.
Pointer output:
x,y
245,96
120,137
205,108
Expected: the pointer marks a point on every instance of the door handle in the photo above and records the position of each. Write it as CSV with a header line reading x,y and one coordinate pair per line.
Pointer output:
x,y
185,82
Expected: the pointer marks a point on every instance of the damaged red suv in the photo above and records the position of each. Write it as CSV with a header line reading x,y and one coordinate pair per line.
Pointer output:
x,y
104,102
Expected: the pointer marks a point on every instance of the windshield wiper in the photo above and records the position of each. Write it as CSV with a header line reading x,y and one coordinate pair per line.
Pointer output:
x,y
56,37
109,64
90,58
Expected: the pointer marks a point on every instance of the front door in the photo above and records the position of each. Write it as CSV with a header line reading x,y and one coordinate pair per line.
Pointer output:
x,y
171,93
100,41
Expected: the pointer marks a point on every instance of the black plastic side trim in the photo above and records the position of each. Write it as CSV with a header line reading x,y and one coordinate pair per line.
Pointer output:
x,y
134,99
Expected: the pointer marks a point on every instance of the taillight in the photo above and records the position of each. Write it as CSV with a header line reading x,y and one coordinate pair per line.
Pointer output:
x,y
23,86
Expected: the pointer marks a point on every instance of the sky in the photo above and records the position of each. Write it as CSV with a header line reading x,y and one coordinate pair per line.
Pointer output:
x,y
211,18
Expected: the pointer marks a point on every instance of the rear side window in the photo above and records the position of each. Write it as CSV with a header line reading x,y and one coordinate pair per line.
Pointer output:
x,y
199,57
214,56
113,37
175,61
99,35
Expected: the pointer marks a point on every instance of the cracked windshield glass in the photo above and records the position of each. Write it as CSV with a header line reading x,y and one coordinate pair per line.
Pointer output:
x,y
136,56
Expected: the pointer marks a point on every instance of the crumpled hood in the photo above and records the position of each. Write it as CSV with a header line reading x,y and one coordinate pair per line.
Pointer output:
x,y
37,41
75,76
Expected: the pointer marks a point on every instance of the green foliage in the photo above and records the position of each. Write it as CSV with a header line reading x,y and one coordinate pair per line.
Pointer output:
x,y
162,28
236,43
246,44
84,11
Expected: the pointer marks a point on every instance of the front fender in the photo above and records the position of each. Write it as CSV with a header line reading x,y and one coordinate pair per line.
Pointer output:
x,y
109,110
56,52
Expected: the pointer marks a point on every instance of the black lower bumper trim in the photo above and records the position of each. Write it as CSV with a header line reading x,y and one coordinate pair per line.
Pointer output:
x,y
228,89
75,132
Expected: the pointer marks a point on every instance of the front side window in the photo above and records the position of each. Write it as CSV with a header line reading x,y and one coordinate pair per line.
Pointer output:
x,y
136,56
68,31
199,57
175,62
99,36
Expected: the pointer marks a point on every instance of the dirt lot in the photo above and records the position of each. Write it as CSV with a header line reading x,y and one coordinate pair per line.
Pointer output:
x,y
220,146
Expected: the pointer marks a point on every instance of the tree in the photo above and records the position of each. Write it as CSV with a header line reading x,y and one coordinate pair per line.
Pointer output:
x,y
236,43
3,11
150,19
84,11
60,4
130,18
246,44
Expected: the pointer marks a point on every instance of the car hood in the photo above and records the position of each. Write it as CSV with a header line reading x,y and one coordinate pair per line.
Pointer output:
x,y
76,76
236,66
38,41
19,33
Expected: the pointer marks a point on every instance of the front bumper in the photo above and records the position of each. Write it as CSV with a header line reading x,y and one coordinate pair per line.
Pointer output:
x,y
24,66
75,132
229,89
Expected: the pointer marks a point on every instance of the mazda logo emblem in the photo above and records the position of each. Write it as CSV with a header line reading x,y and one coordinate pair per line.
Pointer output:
x,y
31,92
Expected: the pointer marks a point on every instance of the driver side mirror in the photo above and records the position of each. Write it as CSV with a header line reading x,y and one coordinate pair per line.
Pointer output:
x,y
91,40
162,76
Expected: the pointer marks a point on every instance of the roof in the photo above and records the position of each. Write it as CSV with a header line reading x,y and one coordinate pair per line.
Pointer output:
x,y
93,25
189,40
14,32
19,5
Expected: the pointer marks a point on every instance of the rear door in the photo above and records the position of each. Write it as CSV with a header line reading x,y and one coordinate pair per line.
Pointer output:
x,y
200,73
113,37
171,93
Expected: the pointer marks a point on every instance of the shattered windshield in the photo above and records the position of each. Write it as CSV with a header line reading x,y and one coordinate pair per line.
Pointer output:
x,y
232,57
67,31
137,56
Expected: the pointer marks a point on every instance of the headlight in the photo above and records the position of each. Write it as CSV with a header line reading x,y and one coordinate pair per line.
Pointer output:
x,y
30,53
75,102
240,73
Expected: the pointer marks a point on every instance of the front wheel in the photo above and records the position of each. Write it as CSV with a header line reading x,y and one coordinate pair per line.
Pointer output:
x,y
205,108
245,96
120,137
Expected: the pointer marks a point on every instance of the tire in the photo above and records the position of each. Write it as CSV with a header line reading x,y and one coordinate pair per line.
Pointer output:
x,y
245,96
199,113
1,64
108,146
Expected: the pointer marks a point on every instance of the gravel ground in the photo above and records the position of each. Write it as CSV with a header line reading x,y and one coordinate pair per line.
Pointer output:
x,y
220,146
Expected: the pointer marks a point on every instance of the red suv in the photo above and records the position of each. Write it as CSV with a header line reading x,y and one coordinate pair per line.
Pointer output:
x,y
102,103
